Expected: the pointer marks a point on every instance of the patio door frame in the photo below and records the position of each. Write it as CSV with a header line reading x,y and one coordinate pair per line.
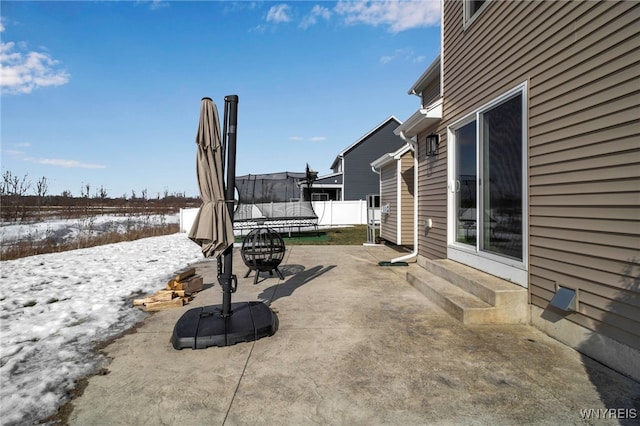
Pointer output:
x,y
505,267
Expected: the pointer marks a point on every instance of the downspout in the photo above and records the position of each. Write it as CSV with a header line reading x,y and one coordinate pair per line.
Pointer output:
x,y
414,253
379,173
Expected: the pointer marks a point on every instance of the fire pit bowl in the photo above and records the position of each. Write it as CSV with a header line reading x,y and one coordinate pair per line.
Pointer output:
x,y
262,251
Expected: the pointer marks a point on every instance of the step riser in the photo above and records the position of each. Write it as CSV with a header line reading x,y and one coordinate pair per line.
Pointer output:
x,y
492,297
436,297
516,314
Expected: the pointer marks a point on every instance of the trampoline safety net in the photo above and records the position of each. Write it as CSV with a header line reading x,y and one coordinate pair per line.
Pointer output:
x,y
275,200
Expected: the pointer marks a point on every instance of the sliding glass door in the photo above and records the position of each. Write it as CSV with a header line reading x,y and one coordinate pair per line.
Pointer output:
x,y
465,184
501,184
487,192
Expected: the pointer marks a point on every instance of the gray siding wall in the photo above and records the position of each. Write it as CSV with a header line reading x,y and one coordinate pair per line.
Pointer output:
x,y
359,179
389,195
581,61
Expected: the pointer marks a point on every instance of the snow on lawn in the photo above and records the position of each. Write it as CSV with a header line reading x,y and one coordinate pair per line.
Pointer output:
x,y
54,308
66,230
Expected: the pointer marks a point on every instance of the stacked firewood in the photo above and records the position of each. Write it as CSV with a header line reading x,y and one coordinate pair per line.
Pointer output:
x,y
179,291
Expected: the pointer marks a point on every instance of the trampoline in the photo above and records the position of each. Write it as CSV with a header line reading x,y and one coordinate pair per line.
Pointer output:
x,y
275,200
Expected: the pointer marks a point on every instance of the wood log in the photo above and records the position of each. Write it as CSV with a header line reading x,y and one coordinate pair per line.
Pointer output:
x,y
151,299
159,306
183,275
192,285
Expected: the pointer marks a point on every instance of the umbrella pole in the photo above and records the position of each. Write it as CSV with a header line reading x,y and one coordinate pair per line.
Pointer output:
x,y
227,280
219,325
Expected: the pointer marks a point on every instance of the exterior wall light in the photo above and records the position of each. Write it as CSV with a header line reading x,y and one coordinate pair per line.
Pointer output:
x,y
432,144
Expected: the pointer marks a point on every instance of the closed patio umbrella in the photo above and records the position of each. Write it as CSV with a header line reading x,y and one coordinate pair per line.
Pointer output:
x,y
212,228
228,323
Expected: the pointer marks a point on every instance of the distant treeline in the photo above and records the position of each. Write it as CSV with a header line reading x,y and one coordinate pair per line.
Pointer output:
x,y
21,200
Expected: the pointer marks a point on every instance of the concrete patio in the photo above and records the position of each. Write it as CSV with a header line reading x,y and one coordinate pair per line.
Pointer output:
x,y
356,345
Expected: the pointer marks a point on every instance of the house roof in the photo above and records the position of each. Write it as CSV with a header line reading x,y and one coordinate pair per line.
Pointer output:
x,y
391,156
359,141
333,179
432,71
420,120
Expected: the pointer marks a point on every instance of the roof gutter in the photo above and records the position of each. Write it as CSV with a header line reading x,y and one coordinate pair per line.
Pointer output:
x,y
414,253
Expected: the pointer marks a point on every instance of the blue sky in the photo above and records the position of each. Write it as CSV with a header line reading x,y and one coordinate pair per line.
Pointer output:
x,y
108,93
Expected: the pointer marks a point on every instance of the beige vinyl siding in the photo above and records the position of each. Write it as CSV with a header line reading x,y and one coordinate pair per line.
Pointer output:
x,y
432,197
407,198
388,195
581,62
430,93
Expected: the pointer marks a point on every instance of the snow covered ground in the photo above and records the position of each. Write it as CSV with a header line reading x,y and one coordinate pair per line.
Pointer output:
x,y
68,230
54,308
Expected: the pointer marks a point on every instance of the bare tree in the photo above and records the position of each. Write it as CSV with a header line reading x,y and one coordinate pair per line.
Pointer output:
x,y
42,186
13,185
41,191
102,195
13,189
85,190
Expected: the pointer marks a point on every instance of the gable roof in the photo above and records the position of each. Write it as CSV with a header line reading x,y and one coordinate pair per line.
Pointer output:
x,y
331,179
391,156
359,141
420,120
432,71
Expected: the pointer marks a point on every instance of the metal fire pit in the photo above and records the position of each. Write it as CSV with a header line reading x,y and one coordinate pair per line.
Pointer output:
x,y
262,251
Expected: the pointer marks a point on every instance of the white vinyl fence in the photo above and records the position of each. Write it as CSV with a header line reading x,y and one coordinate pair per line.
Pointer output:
x,y
330,213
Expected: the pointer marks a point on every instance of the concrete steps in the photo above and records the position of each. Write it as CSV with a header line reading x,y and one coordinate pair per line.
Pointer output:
x,y
469,295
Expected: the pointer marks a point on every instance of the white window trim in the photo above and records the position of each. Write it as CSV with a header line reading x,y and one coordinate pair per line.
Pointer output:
x,y
399,199
468,20
503,267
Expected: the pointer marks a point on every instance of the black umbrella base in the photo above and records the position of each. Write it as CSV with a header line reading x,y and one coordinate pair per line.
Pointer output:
x,y
202,327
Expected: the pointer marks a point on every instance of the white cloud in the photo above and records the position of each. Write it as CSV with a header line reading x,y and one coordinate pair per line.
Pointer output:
x,y
14,149
279,13
405,55
153,4
22,73
158,4
64,163
312,139
396,15
312,17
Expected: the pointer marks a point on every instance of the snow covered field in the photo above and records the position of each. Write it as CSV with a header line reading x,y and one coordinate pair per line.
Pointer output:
x,y
68,230
54,308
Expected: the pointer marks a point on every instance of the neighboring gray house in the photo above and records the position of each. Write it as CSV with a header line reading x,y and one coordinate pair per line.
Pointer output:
x,y
352,177
327,188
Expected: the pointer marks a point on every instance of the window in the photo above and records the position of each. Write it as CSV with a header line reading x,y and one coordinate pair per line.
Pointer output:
x,y
471,7
487,192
